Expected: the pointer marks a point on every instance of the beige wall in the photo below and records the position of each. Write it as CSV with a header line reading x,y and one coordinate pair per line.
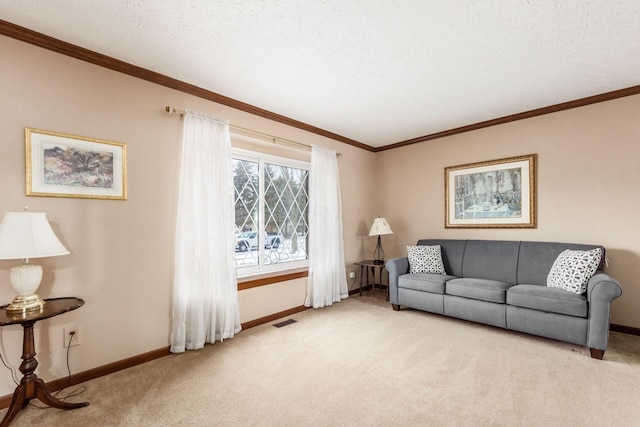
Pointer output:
x,y
588,175
121,251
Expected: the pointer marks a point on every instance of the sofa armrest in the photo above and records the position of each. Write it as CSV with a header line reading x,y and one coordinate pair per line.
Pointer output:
x,y
601,290
396,267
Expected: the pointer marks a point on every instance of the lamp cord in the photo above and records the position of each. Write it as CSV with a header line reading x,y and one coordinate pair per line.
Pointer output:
x,y
73,393
13,373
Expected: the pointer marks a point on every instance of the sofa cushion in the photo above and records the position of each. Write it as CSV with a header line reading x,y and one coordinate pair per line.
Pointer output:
x,y
537,258
427,282
492,260
452,253
480,289
548,299
425,259
572,270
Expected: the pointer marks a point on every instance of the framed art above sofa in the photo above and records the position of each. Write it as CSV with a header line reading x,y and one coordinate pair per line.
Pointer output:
x,y
492,194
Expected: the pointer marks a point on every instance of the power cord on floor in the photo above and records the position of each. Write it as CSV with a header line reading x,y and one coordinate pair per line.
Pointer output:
x,y
78,390
73,393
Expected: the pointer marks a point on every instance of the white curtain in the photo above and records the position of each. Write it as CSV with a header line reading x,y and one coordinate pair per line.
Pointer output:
x,y
205,292
327,282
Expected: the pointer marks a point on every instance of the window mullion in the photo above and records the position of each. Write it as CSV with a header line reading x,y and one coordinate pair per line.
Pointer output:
x,y
261,215
272,191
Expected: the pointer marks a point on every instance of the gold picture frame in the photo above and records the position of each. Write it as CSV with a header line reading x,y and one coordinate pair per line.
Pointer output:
x,y
493,194
61,165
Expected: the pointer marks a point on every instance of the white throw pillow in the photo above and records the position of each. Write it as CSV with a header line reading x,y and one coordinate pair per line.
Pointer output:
x,y
425,259
572,270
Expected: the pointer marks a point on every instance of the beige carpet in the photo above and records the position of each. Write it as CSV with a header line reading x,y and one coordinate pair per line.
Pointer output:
x,y
358,363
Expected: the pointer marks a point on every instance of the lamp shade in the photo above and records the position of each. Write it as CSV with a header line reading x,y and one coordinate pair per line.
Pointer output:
x,y
380,226
25,235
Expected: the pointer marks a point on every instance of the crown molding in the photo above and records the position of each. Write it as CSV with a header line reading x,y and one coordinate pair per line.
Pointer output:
x,y
607,96
38,39
46,42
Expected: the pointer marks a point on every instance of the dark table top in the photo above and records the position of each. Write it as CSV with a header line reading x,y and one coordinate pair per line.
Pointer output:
x,y
53,307
368,263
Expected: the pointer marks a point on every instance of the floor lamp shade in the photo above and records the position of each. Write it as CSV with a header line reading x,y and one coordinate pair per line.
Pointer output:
x,y
379,227
25,235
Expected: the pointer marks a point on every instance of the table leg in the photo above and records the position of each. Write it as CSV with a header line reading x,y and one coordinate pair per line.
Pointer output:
x,y
388,286
373,275
364,271
368,273
31,386
17,403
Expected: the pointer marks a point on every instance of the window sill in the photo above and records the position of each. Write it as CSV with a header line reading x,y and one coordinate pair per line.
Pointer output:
x,y
263,280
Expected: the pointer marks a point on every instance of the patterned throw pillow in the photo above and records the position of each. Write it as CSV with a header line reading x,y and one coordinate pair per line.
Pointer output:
x,y
425,259
572,270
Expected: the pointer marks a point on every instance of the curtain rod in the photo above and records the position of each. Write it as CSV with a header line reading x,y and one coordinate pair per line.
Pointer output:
x,y
171,110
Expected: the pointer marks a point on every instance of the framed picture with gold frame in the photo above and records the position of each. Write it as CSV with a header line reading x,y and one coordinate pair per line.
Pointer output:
x,y
61,165
492,194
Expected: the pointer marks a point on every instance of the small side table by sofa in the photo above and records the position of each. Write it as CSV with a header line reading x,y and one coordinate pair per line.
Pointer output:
x,y
369,266
31,386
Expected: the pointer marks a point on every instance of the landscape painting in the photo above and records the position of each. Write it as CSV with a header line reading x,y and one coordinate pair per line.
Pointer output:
x,y
492,194
60,165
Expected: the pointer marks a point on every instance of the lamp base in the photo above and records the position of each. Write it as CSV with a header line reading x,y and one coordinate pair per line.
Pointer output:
x,y
378,254
26,303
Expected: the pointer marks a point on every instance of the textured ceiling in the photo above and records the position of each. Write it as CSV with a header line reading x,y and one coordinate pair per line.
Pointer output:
x,y
374,71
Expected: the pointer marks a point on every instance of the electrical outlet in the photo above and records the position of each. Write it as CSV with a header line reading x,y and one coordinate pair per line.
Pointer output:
x,y
352,274
71,336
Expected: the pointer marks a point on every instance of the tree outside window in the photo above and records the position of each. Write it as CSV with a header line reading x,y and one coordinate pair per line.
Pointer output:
x,y
271,213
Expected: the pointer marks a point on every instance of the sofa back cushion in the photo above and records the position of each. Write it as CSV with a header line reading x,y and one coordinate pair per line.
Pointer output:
x,y
506,261
491,259
537,258
452,253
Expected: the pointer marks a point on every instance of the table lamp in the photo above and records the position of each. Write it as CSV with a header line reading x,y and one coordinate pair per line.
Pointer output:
x,y
380,226
25,235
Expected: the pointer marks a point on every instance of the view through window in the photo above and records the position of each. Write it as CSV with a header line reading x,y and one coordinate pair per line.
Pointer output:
x,y
271,212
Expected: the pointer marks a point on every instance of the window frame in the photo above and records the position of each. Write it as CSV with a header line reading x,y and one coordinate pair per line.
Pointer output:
x,y
262,159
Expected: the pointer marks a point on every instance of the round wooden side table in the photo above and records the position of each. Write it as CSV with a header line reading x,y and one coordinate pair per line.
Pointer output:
x,y
31,386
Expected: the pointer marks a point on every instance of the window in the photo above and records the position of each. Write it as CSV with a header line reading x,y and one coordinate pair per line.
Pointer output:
x,y
271,212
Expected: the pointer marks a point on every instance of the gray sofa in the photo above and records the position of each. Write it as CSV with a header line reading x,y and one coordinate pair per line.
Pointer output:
x,y
503,283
